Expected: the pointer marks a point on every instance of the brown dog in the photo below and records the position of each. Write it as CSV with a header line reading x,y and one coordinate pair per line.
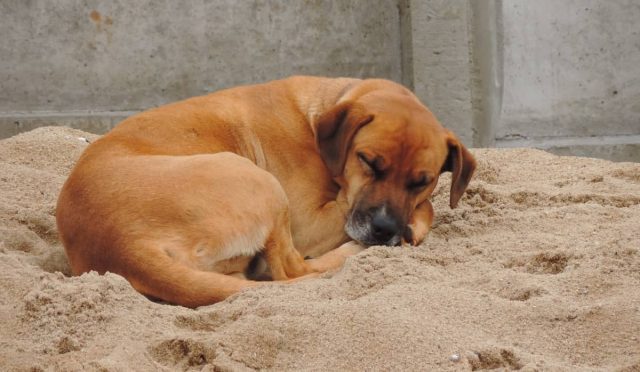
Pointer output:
x,y
176,197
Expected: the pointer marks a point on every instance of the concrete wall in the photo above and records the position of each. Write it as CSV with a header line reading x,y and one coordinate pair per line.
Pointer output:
x,y
557,74
89,64
571,75
562,75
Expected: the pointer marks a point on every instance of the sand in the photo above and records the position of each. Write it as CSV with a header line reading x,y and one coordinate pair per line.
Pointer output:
x,y
537,269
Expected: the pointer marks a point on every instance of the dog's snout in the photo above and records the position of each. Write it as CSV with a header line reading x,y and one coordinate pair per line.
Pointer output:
x,y
384,227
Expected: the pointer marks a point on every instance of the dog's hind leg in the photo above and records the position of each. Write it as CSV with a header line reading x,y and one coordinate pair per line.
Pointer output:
x,y
164,278
159,275
178,225
227,211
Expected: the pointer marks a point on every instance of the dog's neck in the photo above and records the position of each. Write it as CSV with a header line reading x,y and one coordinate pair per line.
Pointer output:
x,y
319,95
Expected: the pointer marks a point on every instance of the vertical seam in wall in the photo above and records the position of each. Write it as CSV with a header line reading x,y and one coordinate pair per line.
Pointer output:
x,y
486,68
498,63
406,43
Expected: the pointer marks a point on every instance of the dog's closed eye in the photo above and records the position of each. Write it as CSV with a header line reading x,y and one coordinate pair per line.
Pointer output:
x,y
372,164
419,183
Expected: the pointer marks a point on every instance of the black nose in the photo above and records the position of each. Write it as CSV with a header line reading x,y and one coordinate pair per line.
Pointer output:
x,y
384,227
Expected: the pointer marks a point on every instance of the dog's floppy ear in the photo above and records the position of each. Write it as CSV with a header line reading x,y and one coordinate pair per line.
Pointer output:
x,y
461,164
335,130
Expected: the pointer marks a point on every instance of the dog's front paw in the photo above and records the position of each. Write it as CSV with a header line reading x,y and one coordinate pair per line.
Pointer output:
x,y
334,259
415,234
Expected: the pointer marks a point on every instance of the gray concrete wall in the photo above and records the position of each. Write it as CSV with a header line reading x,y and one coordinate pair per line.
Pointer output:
x,y
562,75
557,74
89,64
571,76
574,70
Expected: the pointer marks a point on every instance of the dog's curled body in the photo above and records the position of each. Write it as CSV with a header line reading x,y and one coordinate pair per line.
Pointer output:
x,y
179,199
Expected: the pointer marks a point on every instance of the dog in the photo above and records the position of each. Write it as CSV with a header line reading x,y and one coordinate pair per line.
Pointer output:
x,y
192,200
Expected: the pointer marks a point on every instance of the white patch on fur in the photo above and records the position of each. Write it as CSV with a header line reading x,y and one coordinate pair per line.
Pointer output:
x,y
357,231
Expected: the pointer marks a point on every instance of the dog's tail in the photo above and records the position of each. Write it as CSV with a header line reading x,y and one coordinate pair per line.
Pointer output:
x,y
160,276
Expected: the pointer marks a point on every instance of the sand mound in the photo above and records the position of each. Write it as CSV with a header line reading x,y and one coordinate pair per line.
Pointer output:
x,y
538,268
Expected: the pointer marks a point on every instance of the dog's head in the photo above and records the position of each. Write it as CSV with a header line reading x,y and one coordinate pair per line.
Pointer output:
x,y
386,151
